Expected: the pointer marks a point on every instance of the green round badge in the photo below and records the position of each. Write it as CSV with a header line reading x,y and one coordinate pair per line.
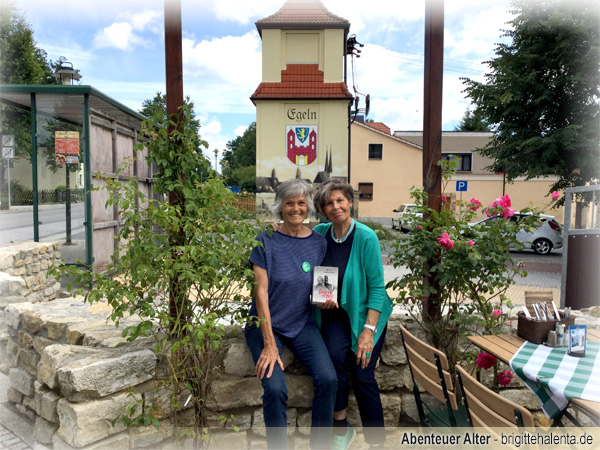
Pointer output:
x,y
306,266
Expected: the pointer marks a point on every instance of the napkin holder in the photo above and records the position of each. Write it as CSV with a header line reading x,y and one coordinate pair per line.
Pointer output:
x,y
536,331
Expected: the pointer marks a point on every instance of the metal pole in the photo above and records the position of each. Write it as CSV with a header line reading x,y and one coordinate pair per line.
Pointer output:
x,y
216,154
34,179
8,177
68,204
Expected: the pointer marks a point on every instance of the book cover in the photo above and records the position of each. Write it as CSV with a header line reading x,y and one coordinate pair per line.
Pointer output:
x,y
325,280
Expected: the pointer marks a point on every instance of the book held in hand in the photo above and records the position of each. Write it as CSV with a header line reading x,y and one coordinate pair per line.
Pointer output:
x,y
325,281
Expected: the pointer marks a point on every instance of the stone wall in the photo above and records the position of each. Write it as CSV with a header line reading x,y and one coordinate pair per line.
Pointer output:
x,y
70,370
24,272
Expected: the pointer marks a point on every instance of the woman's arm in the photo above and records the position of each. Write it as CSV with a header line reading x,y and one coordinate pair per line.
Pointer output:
x,y
270,353
366,339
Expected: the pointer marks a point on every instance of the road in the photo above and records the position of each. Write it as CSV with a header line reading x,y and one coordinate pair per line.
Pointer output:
x,y
16,225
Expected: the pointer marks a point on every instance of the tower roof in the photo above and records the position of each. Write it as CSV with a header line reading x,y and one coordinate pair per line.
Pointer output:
x,y
302,14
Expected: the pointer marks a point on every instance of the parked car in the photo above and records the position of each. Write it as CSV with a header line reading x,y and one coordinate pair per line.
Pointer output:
x,y
546,237
399,220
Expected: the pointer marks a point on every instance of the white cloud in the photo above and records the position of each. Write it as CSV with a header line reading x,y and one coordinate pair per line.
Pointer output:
x,y
126,35
240,130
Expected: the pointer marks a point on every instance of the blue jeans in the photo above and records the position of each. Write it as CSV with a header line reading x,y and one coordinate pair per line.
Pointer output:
x,y
309,349
336,331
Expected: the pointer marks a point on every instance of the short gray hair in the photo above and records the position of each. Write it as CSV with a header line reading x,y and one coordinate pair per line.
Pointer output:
x,y
294,187
327,188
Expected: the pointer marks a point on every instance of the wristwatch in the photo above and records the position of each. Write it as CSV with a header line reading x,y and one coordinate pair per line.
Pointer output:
x,y
371,327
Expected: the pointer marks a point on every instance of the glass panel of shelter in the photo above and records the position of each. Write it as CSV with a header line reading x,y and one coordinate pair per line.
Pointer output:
x,y
61,198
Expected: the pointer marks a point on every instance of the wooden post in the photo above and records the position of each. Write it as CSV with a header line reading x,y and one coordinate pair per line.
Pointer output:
x,y
174,78
432,122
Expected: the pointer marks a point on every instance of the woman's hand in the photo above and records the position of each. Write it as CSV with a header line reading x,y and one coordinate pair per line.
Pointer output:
x,y
364,348
267,360
328,304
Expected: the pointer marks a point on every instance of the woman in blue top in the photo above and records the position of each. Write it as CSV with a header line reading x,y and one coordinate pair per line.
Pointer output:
x,y
354,327
283,270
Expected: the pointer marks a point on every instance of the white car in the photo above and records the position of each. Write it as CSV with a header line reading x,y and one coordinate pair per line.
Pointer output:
x,y
545,237
399,219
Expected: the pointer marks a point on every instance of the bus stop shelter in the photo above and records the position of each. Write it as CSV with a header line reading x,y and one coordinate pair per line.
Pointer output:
x,y
63,137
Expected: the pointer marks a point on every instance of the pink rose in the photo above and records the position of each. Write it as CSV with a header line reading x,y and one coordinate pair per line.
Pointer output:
x,y
471,243
474,204
505,377
446,242
555,195
508,213
496,312
444,199
419,227
485,360
504,201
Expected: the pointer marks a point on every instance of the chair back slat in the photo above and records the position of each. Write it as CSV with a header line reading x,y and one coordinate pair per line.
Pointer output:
x,y
489,409
433,386
429,370
425,350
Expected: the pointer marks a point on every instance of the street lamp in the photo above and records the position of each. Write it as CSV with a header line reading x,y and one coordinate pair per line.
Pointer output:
x,y
216,154
66,74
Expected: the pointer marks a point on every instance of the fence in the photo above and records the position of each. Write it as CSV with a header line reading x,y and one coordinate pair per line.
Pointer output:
x,y
248,204
44,196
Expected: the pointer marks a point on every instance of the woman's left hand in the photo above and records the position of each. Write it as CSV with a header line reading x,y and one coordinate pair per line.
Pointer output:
x,y
364,348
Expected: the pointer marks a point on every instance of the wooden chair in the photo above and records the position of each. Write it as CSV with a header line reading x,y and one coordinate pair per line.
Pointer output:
x,y
430,370
486,409
532,297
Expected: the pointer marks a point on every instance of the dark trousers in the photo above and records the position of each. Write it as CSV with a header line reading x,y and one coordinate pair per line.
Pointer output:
x,y
336,331
309,349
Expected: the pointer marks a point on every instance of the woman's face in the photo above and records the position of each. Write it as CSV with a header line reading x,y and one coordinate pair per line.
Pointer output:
x,y
337,208
294,210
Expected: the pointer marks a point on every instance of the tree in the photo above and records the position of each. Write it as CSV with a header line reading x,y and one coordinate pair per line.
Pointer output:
x,y
542,94
241,152
472,122
21,61
157,107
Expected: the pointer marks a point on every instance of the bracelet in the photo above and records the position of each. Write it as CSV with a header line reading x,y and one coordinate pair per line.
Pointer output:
x,y
371,327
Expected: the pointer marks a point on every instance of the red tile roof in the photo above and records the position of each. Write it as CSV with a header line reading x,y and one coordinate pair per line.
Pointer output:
x,y
303,14
379,126
301,81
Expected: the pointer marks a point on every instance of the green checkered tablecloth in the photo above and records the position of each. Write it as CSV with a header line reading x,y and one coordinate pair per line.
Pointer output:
x,y
555,377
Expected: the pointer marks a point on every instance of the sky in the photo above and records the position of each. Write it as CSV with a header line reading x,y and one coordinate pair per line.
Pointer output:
x,y
118,46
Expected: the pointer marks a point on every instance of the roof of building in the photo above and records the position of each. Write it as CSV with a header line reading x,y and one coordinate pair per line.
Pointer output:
x,y
379,126
300,81
302,14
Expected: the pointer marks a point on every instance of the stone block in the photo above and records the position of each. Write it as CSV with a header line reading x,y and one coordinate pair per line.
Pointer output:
x,y
12,353
300,391
388,377
258,422
392,407
6,300
523,397
44,430
13,312
117,442
82,424
238,360
228,394
14,396
40,343
56,326
241,420
21,381
31,321
35,267
304,422
20,272
6,260
24,262
46,402
54,356
159,399
24,339
28,360
29,402
392,352
75,333
24,410
222,440
104,373
16,286
150,436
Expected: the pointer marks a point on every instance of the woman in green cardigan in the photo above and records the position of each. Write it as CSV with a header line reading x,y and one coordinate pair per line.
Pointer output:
x,y
354,326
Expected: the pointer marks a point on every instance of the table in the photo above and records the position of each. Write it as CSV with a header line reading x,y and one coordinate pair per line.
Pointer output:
x,y
504,346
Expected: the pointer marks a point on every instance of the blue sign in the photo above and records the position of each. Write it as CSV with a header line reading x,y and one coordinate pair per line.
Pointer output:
x,y
461,186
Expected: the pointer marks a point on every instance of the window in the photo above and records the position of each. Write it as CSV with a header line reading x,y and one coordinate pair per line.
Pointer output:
x,y
366,191
463,159
375,151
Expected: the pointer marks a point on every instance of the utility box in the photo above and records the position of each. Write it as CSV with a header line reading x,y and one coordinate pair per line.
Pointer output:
x,y
580,287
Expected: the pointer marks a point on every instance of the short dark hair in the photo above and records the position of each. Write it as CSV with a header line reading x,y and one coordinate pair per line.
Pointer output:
x,y
325,191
